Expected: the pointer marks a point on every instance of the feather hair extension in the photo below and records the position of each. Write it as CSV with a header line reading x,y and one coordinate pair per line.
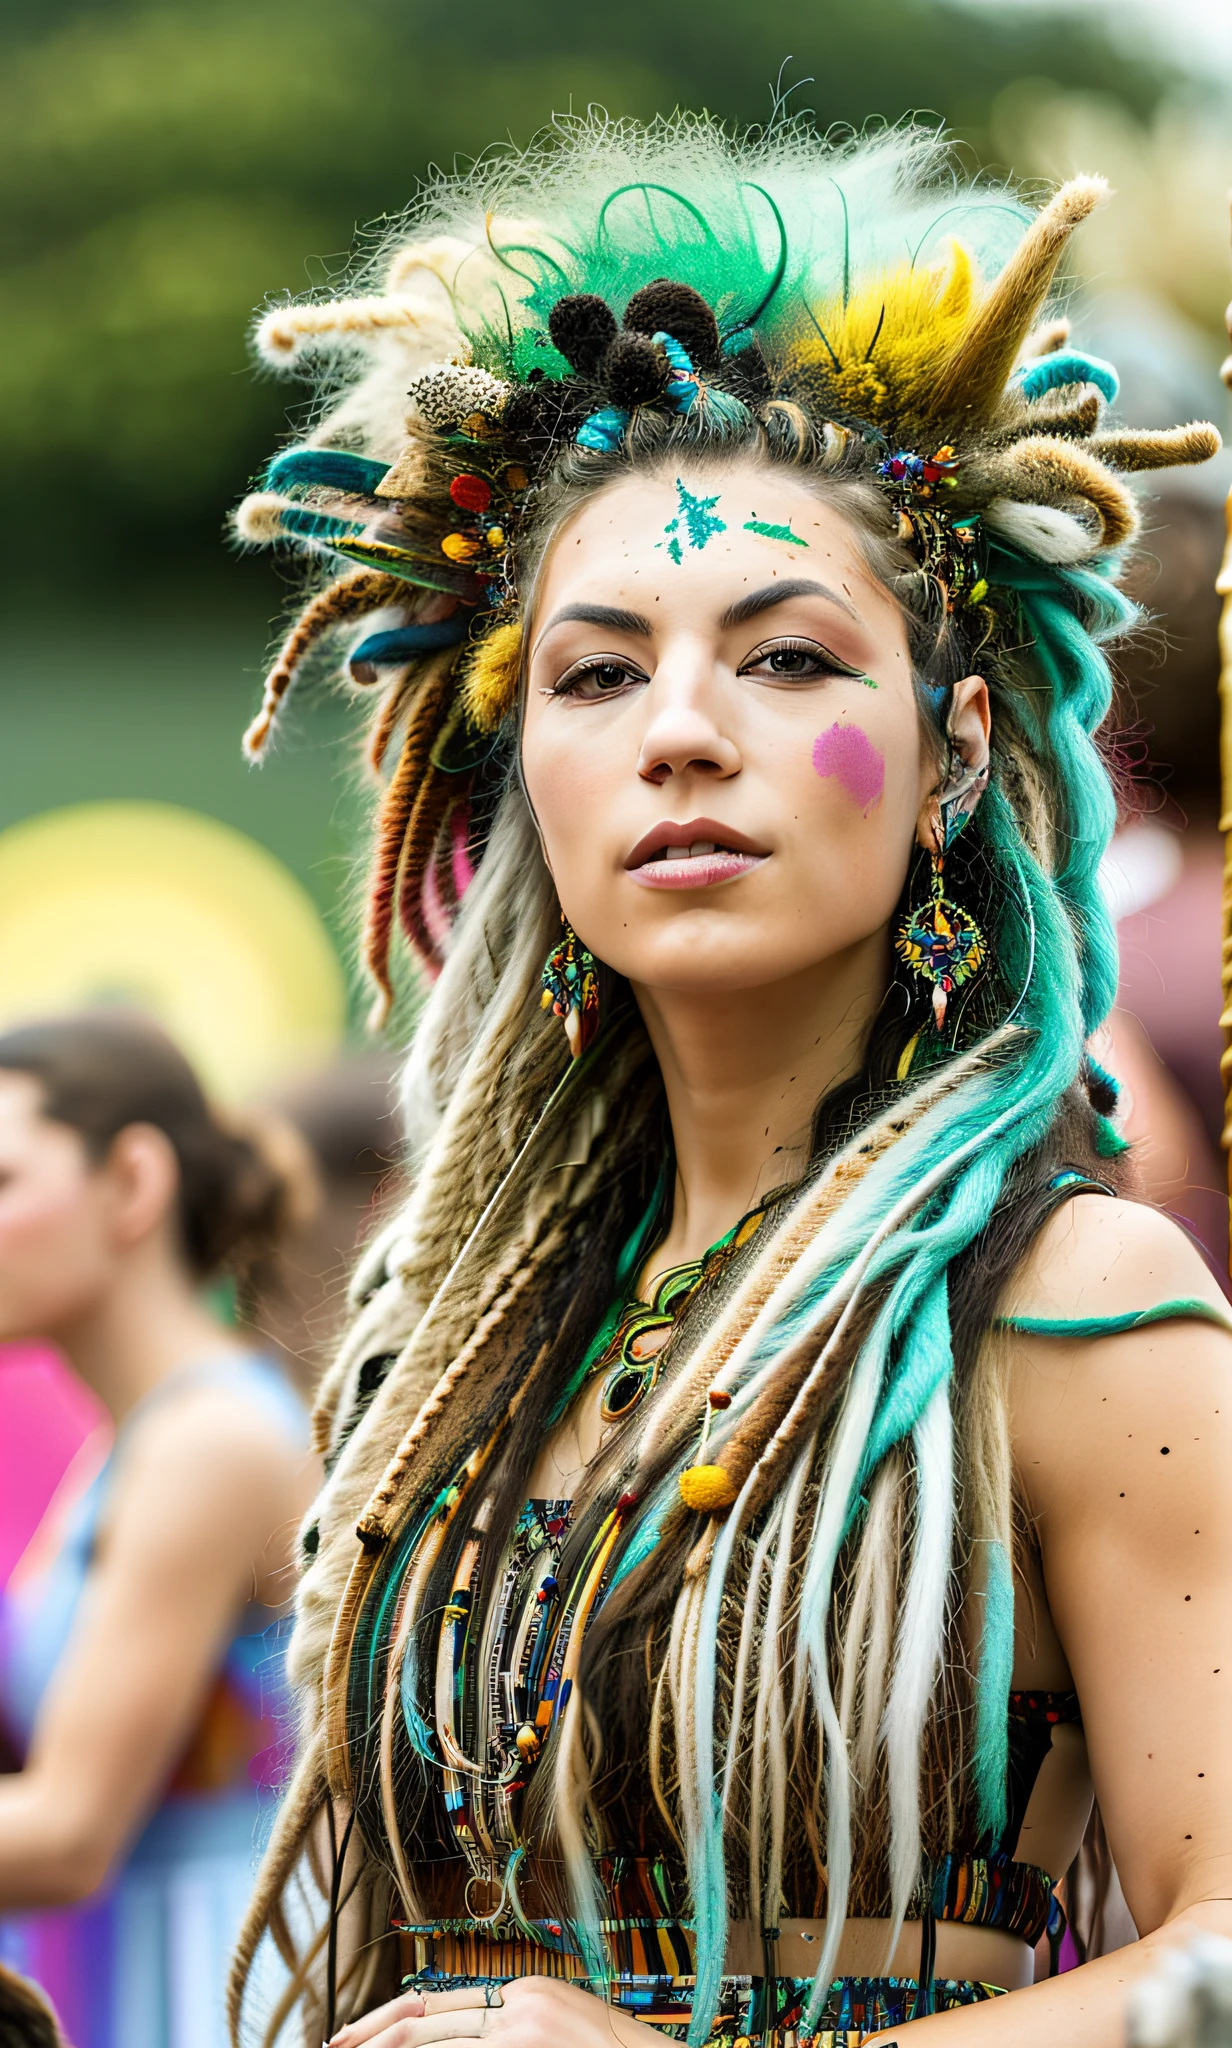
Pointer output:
x,y
1045,469
288,331
1141,448
489,677
1041,531
975,375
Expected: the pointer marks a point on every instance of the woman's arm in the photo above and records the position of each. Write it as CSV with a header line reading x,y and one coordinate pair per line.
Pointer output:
x,y
204,1502
1123,1447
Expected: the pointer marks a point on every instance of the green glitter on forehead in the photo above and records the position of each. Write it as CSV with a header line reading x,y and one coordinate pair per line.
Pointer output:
x,y
694,524
768,531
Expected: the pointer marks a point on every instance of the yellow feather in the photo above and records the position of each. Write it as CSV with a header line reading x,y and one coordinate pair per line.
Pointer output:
x,y
890,340
490,681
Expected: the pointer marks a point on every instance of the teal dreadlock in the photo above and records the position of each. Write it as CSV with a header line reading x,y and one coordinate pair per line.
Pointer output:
x,y
620,297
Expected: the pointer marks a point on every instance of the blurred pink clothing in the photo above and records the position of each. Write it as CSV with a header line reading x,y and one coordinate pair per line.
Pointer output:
x,y
49,1422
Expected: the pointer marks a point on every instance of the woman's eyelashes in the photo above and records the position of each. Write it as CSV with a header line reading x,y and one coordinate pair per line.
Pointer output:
x,y
785,660
794,660
596,677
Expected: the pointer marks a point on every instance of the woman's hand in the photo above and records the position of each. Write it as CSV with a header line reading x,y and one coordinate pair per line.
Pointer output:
x,y
534,2012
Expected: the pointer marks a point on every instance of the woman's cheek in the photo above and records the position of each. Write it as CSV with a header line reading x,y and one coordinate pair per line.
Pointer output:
x,y
844,753
571,797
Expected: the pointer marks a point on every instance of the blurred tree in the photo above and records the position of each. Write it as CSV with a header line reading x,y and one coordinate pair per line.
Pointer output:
x,y
167,167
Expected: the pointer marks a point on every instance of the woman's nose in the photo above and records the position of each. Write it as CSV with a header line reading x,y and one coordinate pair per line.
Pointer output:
x,y
683,737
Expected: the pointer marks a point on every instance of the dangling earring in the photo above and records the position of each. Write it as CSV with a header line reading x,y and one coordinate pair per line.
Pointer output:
x,y
941,943
571,988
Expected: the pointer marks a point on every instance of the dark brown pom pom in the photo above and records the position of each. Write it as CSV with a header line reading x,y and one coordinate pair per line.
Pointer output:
x,y
541,416
676,309
581,326
633,372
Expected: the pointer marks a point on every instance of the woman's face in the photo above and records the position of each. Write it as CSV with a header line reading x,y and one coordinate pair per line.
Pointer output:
x,y
57,1249
721,744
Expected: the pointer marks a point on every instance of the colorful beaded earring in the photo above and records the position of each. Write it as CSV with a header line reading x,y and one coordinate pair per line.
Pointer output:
x,y
941,943
571,988
939,940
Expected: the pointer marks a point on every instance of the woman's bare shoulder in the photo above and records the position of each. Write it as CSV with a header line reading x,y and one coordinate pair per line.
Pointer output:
x,y
1099,1256
1110,1378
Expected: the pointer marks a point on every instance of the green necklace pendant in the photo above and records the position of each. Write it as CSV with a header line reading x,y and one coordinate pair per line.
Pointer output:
x,y
631,1360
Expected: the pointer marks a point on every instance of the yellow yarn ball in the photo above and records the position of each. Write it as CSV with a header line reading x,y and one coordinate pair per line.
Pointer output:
x,y
707,1489
490,684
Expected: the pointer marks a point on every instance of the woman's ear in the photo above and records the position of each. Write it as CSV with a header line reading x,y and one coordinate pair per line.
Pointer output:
x,y
964,777
144,1182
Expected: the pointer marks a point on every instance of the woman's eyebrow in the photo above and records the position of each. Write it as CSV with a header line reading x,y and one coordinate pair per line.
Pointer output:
x,y
611,617
763,600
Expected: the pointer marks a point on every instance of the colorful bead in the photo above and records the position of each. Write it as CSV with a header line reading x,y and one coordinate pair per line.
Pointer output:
x,y
459,547
472,493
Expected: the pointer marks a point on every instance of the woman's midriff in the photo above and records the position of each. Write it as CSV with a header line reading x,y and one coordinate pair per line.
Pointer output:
x,y
982,1954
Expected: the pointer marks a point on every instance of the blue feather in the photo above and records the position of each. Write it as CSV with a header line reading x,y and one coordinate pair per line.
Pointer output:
x,y
325,468
402,643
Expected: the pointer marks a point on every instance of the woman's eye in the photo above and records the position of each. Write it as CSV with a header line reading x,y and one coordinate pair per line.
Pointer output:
x,y
795,661
591,680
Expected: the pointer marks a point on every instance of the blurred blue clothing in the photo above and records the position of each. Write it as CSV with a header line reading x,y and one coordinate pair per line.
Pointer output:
x,y
143,1963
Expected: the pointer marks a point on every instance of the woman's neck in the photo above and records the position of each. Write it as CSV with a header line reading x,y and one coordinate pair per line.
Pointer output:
x,y
148,1326
743,1073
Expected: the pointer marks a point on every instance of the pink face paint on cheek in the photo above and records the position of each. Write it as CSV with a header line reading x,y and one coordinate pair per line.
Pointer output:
x,y
847,753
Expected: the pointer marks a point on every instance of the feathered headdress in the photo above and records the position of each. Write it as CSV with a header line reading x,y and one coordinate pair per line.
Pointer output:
x,y
546,301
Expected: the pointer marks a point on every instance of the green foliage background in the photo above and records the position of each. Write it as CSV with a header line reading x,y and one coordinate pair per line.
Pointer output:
x,y
166,168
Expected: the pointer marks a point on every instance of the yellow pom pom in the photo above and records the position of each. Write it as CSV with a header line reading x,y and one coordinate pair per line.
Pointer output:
x,y
490,683
707,1489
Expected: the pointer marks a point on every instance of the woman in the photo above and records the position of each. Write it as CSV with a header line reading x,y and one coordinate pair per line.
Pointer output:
x,y
747,1537
138,1674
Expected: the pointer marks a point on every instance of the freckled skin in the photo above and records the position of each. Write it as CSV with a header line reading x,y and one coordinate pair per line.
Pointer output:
x,y
698,737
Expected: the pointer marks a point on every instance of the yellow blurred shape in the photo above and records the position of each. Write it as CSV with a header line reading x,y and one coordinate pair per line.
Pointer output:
x,y
155,906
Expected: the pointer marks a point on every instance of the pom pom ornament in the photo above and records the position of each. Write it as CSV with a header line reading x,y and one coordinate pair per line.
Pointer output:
x,y
635,372
667,307
582,327
707,1489
941,943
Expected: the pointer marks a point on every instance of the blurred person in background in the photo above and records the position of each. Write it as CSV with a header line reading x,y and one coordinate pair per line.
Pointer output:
x,y
26,2019
140,1680
295,1301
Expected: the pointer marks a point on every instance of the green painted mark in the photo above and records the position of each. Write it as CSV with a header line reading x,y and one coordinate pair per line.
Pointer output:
x,y
768,531
869,684
694,524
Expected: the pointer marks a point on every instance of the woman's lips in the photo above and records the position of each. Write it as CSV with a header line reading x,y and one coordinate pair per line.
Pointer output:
x,y
693,870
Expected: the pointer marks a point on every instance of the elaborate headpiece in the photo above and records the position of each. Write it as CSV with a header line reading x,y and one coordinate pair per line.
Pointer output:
x,y
987,431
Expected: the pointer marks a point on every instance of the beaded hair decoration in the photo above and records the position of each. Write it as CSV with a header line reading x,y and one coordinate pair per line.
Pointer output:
x,y
987,431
